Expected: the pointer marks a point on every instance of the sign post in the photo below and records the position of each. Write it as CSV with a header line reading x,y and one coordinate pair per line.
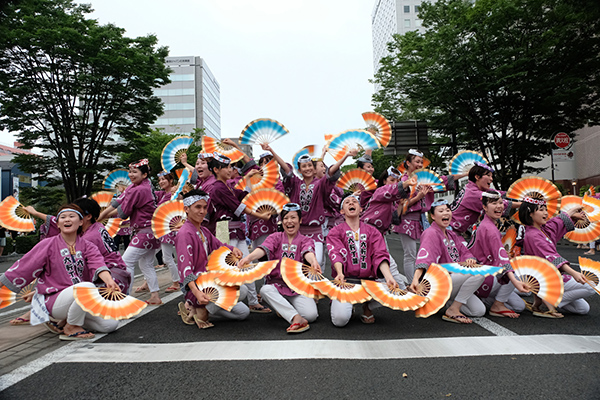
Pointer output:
x,y
562,141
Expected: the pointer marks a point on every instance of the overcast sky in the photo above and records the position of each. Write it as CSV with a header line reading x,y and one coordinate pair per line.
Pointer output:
x,y
305,63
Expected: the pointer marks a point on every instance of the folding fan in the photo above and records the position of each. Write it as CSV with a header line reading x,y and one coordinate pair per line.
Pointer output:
x,y
102,198
357,179
172,152
212,145
585,231
354,139
343,292
337,154
299,277
436,285
540,277
590,269
477,269
427,177
462,162
381,125
509,240
402,169
592,208
112,225
267,178
266,200
328,137
117,177
185,177
591,191
221,259
536,188
14,217
225,297
167,218
107,303
236,276
396,299
306,150
8,297
262,131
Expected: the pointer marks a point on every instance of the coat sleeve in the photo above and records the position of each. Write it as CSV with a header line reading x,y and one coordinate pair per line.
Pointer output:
x,y
270,245
430,250
335,246
390,193
94,261
28,268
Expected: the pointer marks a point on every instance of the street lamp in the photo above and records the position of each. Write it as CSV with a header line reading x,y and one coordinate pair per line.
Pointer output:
x,y
574,183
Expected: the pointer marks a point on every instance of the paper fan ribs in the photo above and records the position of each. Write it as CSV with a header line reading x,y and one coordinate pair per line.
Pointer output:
x,y
223,296
266,200
585,230
343,292
462,162
107,303
590,269
536,188
102,198
354,139
427,177
381,125
14,217
118,178
436,285
168,217
540,276
357,179
212,145
262,131
267,178
171,154
396,299
223,260
299,277
8,297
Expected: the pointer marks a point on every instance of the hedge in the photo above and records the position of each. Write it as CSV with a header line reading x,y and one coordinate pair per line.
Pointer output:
x,y
26,243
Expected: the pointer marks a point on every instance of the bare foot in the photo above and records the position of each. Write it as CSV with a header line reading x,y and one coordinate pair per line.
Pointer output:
x,y
500,310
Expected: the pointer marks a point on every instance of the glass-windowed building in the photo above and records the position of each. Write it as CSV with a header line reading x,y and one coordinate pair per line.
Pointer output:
x,y
192,99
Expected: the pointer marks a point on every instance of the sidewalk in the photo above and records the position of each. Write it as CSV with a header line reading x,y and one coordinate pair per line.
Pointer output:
x,y
22,344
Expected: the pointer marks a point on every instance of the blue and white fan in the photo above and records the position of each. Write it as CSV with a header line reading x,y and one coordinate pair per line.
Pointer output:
x,y
172,152
462,268
464,160
262,131
183,179
354,139
117,177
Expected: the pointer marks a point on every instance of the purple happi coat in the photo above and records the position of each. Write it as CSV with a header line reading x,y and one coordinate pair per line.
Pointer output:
x,y
227,203
360,252
410,223
277,246
365,196
467,207
542,242
382,205
49,228
332,207
100,237
193,247
138,203
311,199
440,249
51,262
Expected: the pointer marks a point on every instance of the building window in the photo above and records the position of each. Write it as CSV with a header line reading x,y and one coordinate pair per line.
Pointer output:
x,y
418,23
181,77
407,23
417,9
179,106
406,9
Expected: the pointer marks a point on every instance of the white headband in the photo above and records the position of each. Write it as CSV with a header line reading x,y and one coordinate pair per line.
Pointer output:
x,y
346,198
188,201
394,173
415,153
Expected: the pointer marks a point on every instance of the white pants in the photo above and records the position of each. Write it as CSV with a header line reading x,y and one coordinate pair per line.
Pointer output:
x,y
146,261
573,295
258,241
319,254
65,307
167,252
463,289
505,294
409,245
239,312
289,306
252,295
342,312
394,266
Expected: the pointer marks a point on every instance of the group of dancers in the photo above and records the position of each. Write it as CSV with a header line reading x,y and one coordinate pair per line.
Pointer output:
x,y
352,228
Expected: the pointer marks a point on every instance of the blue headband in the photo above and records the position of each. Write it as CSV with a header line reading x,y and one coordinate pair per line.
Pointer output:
x,y
69,209
442,202
221,158
291,207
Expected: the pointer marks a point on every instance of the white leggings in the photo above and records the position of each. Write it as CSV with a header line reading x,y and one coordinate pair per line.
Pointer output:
x,y
463,289
146,261
394,266
342,312
505,294
319,254
167,252
252,295
573,295
289,306
409,246
239,312
65,307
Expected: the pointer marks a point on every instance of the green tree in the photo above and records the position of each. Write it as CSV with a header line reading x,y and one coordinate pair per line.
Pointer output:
x,y
75,89
503,75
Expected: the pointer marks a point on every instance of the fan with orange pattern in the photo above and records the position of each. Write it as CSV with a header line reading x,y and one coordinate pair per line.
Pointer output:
x,y
357,179
344,292
436,285
107,303
266,200
299,277
585,231
540,276
212,145
225,297
394,298
267,178
8,297
590,269
112,225
383,129
168,217
509,240
402,169
537,188
223,260
14,217
103,199
592,208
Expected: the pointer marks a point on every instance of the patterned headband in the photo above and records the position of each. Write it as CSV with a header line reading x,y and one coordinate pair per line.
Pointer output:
x,y
304,158
202,156
291,207
442,202
69,209
394,172
265,154
139,163
415,153
188,201
494,195
222,159
162,173
530,200
366,159
484,166
346,198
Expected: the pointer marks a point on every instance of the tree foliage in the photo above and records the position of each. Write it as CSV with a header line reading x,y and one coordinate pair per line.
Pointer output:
x,y
75,89
503,75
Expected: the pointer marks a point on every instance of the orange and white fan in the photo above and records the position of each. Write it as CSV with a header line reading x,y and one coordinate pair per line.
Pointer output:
x,y
8,297
267,178
168,217
107,303
509,240
590,269
103,199
112,225
343,292
436,285
14,217
585,231
394,298
299,277
540,276
212,145
536,188
357,179
592,208
381,125
266,200
225,297
223,260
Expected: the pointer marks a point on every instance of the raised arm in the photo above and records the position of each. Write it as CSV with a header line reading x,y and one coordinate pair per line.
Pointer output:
x,y
231,143
284,166
335,167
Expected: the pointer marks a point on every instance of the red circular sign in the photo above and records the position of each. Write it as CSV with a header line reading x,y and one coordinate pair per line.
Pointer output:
x,y
562,140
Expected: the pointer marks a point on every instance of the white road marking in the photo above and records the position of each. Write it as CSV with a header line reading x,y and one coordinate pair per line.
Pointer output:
x,y
333,349
493,327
